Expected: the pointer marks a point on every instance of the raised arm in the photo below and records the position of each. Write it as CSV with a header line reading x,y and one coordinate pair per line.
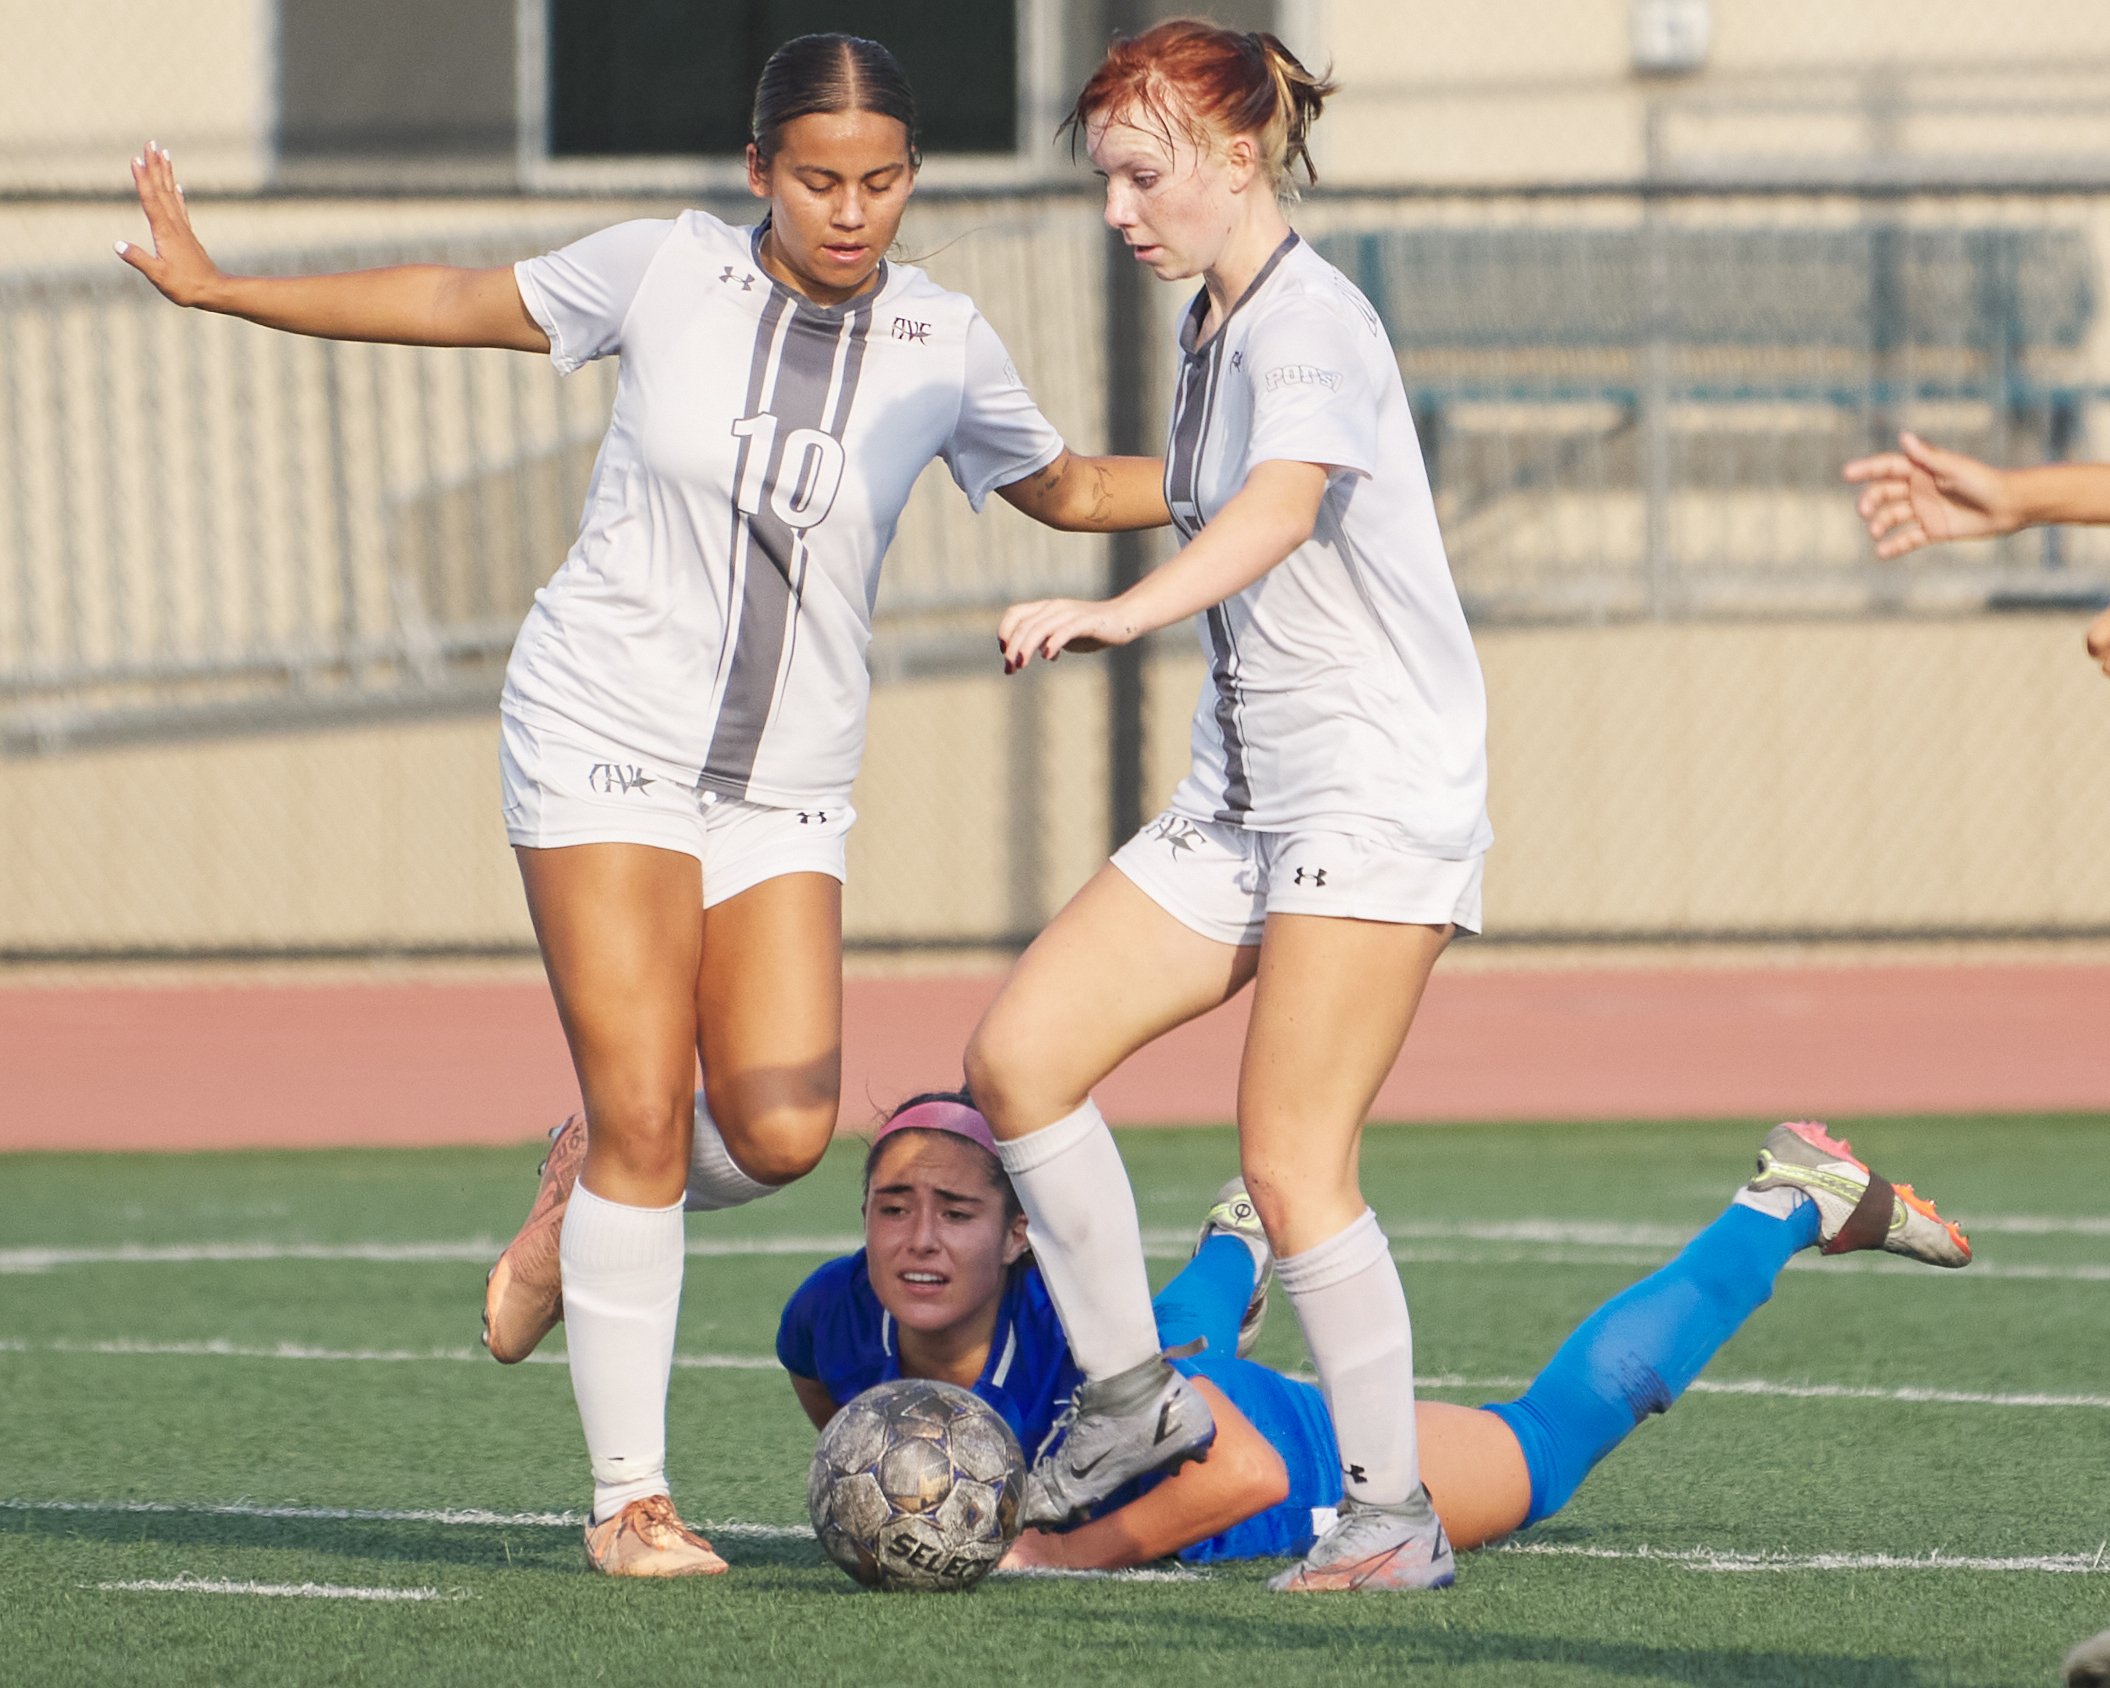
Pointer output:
x,y
1240,1475
1921,495
1093,494
1271,515
407,304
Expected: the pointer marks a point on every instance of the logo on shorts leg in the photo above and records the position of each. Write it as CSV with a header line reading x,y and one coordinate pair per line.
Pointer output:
x,y
808,817
1178,833
1315,876
617,777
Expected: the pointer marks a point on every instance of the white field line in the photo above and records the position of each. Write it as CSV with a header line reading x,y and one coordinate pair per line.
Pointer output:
x,y
478,1250
221,1349
1721,1559
1531,1242
475,1517
1692,1558
283,1591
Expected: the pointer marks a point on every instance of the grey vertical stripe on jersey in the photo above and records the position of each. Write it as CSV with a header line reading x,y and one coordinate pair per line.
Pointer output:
x,y
1190,431
767,332
796,387
850,359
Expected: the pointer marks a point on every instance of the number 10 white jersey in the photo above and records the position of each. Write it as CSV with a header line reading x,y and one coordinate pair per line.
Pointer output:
x,y
715,610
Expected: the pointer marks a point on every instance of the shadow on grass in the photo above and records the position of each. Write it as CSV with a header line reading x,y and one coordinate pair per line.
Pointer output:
x,y
539,1547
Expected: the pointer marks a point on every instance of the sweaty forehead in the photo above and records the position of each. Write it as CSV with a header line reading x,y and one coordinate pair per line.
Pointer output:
x,y
1129,138
934,1159
848,142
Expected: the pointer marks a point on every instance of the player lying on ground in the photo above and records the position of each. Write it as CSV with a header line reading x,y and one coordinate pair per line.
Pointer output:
x,y
945,1288
1921,495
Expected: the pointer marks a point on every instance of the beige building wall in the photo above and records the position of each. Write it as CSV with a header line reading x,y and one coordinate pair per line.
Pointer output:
x,y
1784,778
1496,91
90,82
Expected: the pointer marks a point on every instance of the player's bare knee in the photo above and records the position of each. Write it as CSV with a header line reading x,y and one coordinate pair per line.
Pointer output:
x,y
780,1145
646,1138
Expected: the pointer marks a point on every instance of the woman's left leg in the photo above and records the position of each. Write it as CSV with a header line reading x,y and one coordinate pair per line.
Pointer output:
x,y
769,1031
1333,999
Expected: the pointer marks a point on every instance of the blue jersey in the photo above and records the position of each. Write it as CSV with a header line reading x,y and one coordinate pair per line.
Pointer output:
x,y
835,1331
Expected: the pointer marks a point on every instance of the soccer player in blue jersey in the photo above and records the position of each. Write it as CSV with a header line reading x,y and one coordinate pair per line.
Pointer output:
x,y
945,1287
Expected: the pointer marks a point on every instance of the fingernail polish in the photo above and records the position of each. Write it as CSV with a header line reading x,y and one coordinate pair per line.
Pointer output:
x,y
123,246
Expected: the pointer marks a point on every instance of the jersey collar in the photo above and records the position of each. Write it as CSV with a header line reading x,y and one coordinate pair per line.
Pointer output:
x,y
1192,327
1003,1346
855,306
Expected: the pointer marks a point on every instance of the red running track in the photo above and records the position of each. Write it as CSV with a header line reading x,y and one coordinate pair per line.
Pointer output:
x,y
450,1062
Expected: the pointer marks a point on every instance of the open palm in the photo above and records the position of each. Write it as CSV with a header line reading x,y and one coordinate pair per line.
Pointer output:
x,y
177,263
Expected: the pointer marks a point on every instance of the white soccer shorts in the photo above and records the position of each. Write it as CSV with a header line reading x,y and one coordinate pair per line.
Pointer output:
x,y
560,790
1224,881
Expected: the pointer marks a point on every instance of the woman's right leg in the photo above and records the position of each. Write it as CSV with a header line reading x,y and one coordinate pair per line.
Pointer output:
x,y
620,926
1112,972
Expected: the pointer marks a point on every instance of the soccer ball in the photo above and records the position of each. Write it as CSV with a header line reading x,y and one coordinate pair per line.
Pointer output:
x,y
916,1485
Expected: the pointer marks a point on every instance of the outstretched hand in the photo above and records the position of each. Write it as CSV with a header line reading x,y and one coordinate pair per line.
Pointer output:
x,y
1049,626
177,264
1921,495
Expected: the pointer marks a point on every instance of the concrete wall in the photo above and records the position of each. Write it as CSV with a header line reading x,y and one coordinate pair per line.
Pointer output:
x,y
1546,90
1785,777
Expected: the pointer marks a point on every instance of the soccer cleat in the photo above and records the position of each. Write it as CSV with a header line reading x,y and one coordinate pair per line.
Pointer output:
x,y
1146,1419
524,1292
1856,1208
1378,1548
1234,1215
647,1539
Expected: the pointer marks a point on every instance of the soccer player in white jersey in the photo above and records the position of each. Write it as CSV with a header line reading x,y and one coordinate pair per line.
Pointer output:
x,y
1328,839
685,706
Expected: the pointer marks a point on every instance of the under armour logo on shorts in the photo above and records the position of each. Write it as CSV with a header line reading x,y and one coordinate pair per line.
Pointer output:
x,y
1317,876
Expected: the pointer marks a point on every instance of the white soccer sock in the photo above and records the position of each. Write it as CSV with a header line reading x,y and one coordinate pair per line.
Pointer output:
x,y
1081,1220
1353,1309
622,1292
715,1179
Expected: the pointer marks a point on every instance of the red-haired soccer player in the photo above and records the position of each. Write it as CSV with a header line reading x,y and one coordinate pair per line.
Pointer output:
x,y
1328,839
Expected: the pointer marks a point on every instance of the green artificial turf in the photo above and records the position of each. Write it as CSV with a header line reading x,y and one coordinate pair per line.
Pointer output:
x,y
114,1456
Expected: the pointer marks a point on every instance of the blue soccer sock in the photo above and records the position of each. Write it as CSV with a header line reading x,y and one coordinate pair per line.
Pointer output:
x,y
1209,1298
1636,1354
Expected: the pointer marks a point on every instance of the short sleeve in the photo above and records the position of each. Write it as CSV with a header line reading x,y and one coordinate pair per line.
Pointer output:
x,y
580,294
1312,401
796,1347
1001,435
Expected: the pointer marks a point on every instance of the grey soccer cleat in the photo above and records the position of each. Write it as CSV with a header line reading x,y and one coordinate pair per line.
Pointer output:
x,y
1856,1208
1148,1418
1234,1215
1376,1548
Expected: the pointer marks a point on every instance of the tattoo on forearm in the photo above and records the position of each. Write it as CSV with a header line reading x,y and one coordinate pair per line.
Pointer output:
x,y
1102,493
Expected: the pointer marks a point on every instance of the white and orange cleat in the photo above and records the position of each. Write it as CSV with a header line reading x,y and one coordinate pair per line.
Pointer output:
x,y
524,1292
1856,1208
1376,1549
648,1539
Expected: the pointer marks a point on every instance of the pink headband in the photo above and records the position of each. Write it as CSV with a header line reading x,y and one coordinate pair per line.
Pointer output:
x,y
951,1117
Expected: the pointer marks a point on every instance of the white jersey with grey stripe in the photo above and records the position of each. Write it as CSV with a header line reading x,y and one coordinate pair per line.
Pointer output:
x,y
1343,691
714,612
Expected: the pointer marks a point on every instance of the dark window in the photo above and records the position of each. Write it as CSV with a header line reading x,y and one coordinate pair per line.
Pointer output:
x,y
629,77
